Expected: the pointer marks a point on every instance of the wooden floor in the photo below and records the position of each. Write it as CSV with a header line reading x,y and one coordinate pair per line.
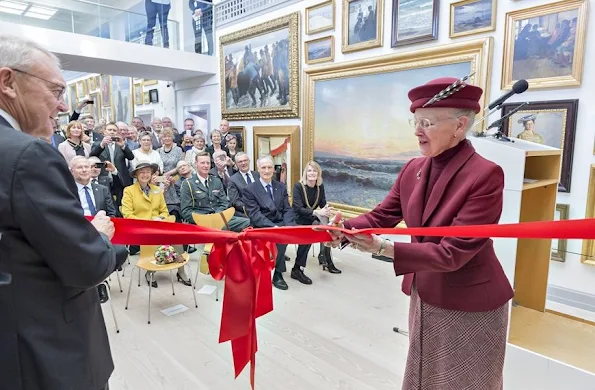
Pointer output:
x,y
334,334
560,338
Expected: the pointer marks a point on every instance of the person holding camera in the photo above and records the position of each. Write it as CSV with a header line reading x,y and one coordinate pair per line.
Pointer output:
x,y
113,148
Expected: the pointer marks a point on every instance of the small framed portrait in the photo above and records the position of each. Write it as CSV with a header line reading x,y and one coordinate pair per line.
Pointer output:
x,y
414,21
551,123
559,245
320,17
362,25
154,96
468,17
545,45
320,50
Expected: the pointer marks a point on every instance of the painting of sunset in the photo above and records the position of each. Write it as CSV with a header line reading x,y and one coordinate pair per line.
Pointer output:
x,y
362,136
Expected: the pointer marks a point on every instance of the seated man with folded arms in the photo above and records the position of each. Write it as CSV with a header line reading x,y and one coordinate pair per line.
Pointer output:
x,y
204,194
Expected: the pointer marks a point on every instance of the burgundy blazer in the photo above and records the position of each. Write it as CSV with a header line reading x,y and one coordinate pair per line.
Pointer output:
x,y
450,273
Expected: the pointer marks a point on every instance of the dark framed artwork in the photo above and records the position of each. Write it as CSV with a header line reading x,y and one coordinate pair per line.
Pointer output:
x,y
414,21
551,123
559,245
154,96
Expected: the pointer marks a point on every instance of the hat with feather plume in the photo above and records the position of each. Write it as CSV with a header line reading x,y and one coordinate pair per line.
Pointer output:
x,y
447,92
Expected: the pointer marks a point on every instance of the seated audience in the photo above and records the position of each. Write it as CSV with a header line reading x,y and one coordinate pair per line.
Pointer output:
x,y
204,194
222,168
96,166
170,154
197,146
143,200
267,205
239,181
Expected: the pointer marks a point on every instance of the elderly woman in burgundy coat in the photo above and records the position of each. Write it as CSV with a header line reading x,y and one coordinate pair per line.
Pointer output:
x,y
458,313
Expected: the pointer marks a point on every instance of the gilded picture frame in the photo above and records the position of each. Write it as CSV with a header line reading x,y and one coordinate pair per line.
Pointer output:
x,y
589,245
539,56
334,81
559,245
276,135
350,31
473,9
278,96
319,50
320,12
138,94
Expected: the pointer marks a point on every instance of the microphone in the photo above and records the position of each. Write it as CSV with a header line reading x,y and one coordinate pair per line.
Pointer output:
x,y
498,123
518,87
5,279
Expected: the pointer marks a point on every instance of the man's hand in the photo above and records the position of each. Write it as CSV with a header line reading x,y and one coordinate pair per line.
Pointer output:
x,y
103,224
105,141
109,166
86,138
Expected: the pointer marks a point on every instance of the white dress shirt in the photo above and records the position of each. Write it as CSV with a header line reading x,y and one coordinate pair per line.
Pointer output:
x,y
248,174
264,184
11,121
83,198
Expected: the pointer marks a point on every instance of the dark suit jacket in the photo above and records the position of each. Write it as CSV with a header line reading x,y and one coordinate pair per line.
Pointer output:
x,y
263,212
303,214
235,187
52,330
103,199
57,139
215,172
452,273
119,160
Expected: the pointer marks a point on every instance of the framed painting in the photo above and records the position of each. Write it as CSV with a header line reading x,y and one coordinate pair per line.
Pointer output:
x,y
550,123
362,25
138,94
276,95
95,108
589,245
559,245
282,143
121,89
201,115
106,90
91,84
546,45
73,97
414,21
320,50
338,123
320,17
470,17
240,133
146,99
81,88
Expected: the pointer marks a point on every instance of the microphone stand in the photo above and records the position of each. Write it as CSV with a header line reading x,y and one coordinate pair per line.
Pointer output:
x,y
500,122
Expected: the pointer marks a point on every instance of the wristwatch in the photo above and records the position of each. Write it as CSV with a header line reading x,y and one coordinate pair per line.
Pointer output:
x,y
382,248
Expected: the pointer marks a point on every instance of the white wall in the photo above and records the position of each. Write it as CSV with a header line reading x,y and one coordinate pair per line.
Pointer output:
x,y
569,275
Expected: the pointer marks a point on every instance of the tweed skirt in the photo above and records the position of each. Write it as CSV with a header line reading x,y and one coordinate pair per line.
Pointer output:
x,y
454,350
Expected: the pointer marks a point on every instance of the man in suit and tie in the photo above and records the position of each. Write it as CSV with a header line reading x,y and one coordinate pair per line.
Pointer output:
x,y
95,197
52,330
113,148
239,181
204,194
267,205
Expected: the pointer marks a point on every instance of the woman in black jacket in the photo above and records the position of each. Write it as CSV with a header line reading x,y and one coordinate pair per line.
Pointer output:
x,y
310,208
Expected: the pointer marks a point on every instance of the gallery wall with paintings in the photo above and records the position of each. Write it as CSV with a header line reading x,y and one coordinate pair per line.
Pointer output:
x,y
119,98
340,70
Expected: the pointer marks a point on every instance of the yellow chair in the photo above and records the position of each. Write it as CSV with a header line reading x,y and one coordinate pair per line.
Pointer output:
x,y
146,261
212,221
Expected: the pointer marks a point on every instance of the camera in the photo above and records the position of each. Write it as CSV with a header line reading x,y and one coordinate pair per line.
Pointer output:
x,y
115,138
100,165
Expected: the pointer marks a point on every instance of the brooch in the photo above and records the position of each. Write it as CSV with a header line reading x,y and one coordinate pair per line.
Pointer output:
x,y
419,175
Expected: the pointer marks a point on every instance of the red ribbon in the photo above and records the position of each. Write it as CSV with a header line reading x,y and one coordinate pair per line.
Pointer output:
x,y
246,260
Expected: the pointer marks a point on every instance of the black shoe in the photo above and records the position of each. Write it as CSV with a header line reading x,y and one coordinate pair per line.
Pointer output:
x,y
279,282
298,274
184,282
102,291
287,258
330,267
154,285
191,249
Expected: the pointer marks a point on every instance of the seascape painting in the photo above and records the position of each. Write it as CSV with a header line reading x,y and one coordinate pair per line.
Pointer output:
x,y
257,71
320,50
472,17
363,143
414,21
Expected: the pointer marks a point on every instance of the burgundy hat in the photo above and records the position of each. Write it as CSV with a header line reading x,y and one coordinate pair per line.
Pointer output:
x,y
447,92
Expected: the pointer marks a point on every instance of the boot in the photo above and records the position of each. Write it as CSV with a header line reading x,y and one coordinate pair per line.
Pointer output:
x,y
326,261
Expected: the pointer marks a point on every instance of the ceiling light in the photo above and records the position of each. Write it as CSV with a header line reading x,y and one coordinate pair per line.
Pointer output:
x,y
42,10
14,5
10,10
38,16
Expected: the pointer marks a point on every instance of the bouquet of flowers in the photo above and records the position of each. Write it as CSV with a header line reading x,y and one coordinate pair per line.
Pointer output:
x,y
165,254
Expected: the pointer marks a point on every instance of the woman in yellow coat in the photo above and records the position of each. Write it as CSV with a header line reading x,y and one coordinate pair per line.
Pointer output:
x,y
143,200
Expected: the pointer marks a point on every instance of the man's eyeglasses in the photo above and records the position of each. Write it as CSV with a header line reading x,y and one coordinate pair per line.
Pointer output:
x,y
58,94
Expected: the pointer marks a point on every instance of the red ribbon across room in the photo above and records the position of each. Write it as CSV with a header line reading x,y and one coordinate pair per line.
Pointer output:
x,y
246,260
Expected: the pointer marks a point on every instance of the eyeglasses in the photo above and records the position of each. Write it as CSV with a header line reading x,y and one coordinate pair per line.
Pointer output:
x,y
425,123
58,94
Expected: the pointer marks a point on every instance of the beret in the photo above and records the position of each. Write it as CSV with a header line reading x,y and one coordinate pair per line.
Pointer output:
x,y
466,97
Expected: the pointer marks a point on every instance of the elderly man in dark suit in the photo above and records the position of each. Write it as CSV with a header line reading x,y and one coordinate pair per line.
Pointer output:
x,y
239,181
267,205
113,148
52,330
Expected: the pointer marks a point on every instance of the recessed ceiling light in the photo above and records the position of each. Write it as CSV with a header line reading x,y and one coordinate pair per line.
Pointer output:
x,y
14,5
42,10
10,10
38,16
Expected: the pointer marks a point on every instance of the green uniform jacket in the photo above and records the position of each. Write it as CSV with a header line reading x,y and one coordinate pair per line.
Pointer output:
x,y
198,199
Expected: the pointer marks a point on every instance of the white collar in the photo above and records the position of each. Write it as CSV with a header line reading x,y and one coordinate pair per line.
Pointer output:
x,y
80,186
264,184
202,179
11,121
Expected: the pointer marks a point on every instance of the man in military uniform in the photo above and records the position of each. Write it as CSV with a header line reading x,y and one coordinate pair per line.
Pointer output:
x,y
204,194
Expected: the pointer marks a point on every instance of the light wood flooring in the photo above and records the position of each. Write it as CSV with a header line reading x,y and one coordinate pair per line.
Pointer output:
x,y
334,334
